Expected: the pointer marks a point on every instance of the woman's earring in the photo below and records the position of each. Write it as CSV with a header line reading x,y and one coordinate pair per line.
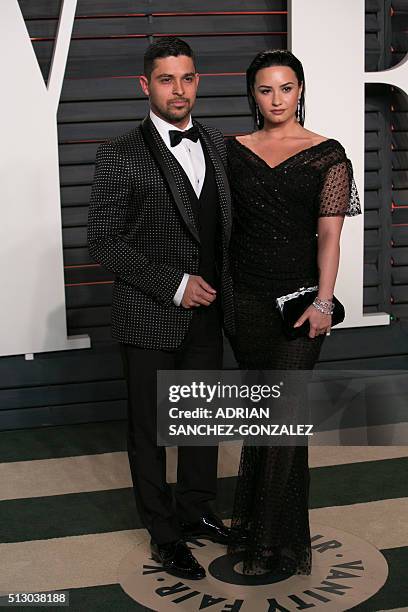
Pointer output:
x,y
257,115
298,110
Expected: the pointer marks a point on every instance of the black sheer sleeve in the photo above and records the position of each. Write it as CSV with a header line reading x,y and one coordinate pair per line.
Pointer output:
x,y
339,195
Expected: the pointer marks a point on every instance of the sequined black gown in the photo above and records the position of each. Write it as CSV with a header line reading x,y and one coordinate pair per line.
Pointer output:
x,y
274,252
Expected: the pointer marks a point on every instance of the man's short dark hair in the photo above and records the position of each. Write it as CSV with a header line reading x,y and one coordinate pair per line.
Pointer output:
x,y
165,47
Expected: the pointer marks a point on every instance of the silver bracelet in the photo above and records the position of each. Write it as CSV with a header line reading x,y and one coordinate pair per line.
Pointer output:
x,y
324,306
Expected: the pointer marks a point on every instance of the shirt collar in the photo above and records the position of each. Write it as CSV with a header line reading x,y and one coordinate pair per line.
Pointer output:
x,y
163,127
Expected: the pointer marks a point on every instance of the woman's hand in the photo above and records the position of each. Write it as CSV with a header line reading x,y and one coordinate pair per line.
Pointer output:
x,y
319,322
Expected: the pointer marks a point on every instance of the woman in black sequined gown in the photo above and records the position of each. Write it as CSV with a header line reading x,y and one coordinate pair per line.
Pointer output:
x,y
287,184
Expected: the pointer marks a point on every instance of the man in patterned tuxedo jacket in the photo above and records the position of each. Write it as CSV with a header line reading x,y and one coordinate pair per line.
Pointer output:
x,y
160,219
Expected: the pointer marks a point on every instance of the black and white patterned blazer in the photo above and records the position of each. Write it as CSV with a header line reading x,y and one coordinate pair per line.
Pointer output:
x,y
141,227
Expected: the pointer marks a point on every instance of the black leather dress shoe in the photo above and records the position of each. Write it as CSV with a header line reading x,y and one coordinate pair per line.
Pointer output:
x,y
177,559
209,527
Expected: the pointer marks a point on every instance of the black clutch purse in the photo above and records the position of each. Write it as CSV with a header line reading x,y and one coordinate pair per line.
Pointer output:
x,y
293,305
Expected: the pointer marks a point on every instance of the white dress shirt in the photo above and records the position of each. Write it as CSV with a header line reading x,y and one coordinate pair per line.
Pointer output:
x,y
190,156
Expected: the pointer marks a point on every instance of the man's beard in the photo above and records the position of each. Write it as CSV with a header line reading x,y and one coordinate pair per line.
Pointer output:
x,y
173,116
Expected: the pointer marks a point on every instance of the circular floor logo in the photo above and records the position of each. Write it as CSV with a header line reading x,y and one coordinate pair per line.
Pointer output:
x,y
346,571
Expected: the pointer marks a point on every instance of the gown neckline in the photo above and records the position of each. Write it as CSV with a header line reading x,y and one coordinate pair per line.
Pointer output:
x,y
283,162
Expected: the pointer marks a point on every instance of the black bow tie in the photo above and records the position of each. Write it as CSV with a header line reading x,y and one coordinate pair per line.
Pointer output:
x,y
176,136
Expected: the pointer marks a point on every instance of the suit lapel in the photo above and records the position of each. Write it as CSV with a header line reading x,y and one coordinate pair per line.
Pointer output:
x,y
171,172
221,180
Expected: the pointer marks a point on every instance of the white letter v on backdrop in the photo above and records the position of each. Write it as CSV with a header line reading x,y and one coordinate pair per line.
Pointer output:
x,y
32,304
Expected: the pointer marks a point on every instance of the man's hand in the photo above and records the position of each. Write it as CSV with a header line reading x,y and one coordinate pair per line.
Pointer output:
x,y
197,293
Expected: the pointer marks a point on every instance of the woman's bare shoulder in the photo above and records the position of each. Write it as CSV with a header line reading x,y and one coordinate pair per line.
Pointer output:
x,y
316,138
246,138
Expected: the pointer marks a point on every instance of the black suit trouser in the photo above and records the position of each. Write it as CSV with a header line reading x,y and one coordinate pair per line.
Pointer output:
x,y
196,485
